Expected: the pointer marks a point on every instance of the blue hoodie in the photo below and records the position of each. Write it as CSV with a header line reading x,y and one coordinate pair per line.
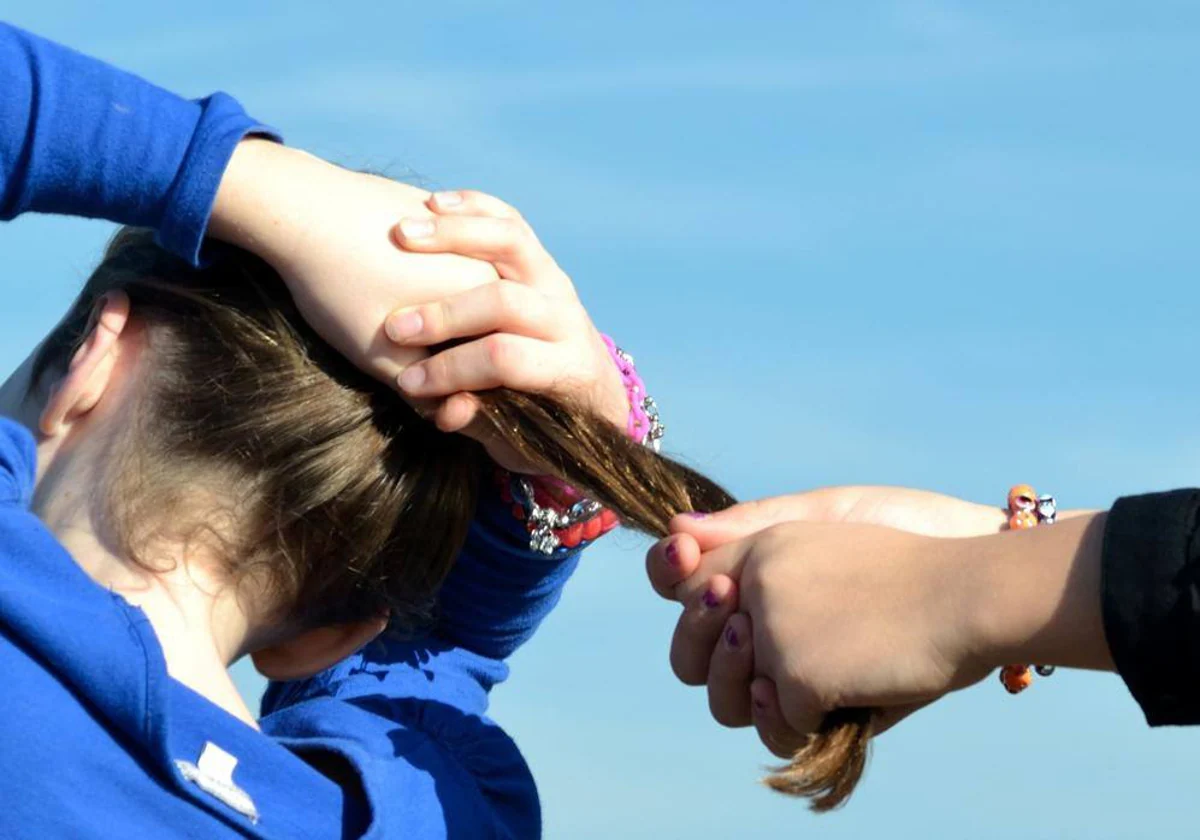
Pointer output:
x,y
99,741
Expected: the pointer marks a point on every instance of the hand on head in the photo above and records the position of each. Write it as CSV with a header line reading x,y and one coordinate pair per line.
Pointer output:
x,y
385,273
528,331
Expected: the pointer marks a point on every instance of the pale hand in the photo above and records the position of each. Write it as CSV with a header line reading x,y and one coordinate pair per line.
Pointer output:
x,y
327,231
332,235
527,331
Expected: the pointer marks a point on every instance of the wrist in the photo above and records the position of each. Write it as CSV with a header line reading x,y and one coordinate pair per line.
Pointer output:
x,y
614,403
1036,595
259,206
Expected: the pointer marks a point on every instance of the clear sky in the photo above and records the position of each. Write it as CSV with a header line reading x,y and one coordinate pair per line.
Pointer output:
x,y
950,245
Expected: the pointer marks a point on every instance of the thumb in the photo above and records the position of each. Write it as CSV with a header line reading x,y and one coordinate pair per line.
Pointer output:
x,y
740,521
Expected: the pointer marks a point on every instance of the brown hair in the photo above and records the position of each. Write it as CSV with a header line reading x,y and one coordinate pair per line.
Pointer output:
x,y
337,498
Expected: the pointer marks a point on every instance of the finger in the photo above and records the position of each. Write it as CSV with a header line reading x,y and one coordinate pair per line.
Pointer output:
x,y
671,561
742,520
801,708
726,560
699,629
457,412
470,203
503,306
495,361
509,244
775,733
730,672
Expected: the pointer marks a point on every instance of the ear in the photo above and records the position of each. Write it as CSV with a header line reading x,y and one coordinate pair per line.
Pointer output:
x,y
90,372
312,651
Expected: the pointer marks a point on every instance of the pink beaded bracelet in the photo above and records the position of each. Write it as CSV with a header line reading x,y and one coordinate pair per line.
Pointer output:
x,y
644,424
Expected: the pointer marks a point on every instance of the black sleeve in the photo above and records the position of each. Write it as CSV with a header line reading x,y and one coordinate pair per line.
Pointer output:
x,y
1151,602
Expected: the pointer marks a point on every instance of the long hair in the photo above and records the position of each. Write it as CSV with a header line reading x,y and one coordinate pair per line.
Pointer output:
x,y
334,497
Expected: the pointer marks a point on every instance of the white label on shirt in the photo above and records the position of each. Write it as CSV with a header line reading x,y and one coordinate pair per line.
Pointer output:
x,y
213,774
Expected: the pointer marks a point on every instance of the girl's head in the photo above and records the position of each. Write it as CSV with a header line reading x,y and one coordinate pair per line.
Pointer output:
x,y
220,422
212,417
193,414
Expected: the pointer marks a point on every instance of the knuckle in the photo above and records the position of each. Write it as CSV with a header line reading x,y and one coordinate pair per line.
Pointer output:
x,y
498,350
803,706
504,355
683,669
762,560
504,296
510,236
775,537
437,371
755,577
435,318
513,214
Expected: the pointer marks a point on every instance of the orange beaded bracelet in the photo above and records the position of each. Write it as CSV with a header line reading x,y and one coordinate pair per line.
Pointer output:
x,y
1026,509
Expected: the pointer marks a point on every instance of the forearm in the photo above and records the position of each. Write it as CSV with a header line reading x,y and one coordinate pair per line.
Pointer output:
x,y
1112,591
79,137
1037,594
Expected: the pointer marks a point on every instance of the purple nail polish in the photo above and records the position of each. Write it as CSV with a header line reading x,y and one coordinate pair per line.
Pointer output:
x,y
711,600
672,554
759,705
731,637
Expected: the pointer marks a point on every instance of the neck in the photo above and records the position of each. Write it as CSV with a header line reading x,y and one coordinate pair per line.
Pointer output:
x,y
199,624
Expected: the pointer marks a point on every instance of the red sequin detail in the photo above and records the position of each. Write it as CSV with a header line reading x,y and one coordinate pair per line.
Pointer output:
x,y
571,537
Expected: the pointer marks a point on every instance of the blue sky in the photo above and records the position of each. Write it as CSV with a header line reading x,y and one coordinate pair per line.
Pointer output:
x,y
949,245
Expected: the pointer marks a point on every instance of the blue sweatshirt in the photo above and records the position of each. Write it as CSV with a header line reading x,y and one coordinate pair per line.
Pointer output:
x,y
100,741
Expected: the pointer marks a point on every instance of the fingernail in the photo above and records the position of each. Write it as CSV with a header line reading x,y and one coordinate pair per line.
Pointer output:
x,y
404,325
731,638
412,378
696,515
416,228
711,600
447,199
672,554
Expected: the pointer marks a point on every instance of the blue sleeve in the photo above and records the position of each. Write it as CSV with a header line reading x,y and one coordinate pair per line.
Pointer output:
x,y
499,591
18,463
82,138
432,765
